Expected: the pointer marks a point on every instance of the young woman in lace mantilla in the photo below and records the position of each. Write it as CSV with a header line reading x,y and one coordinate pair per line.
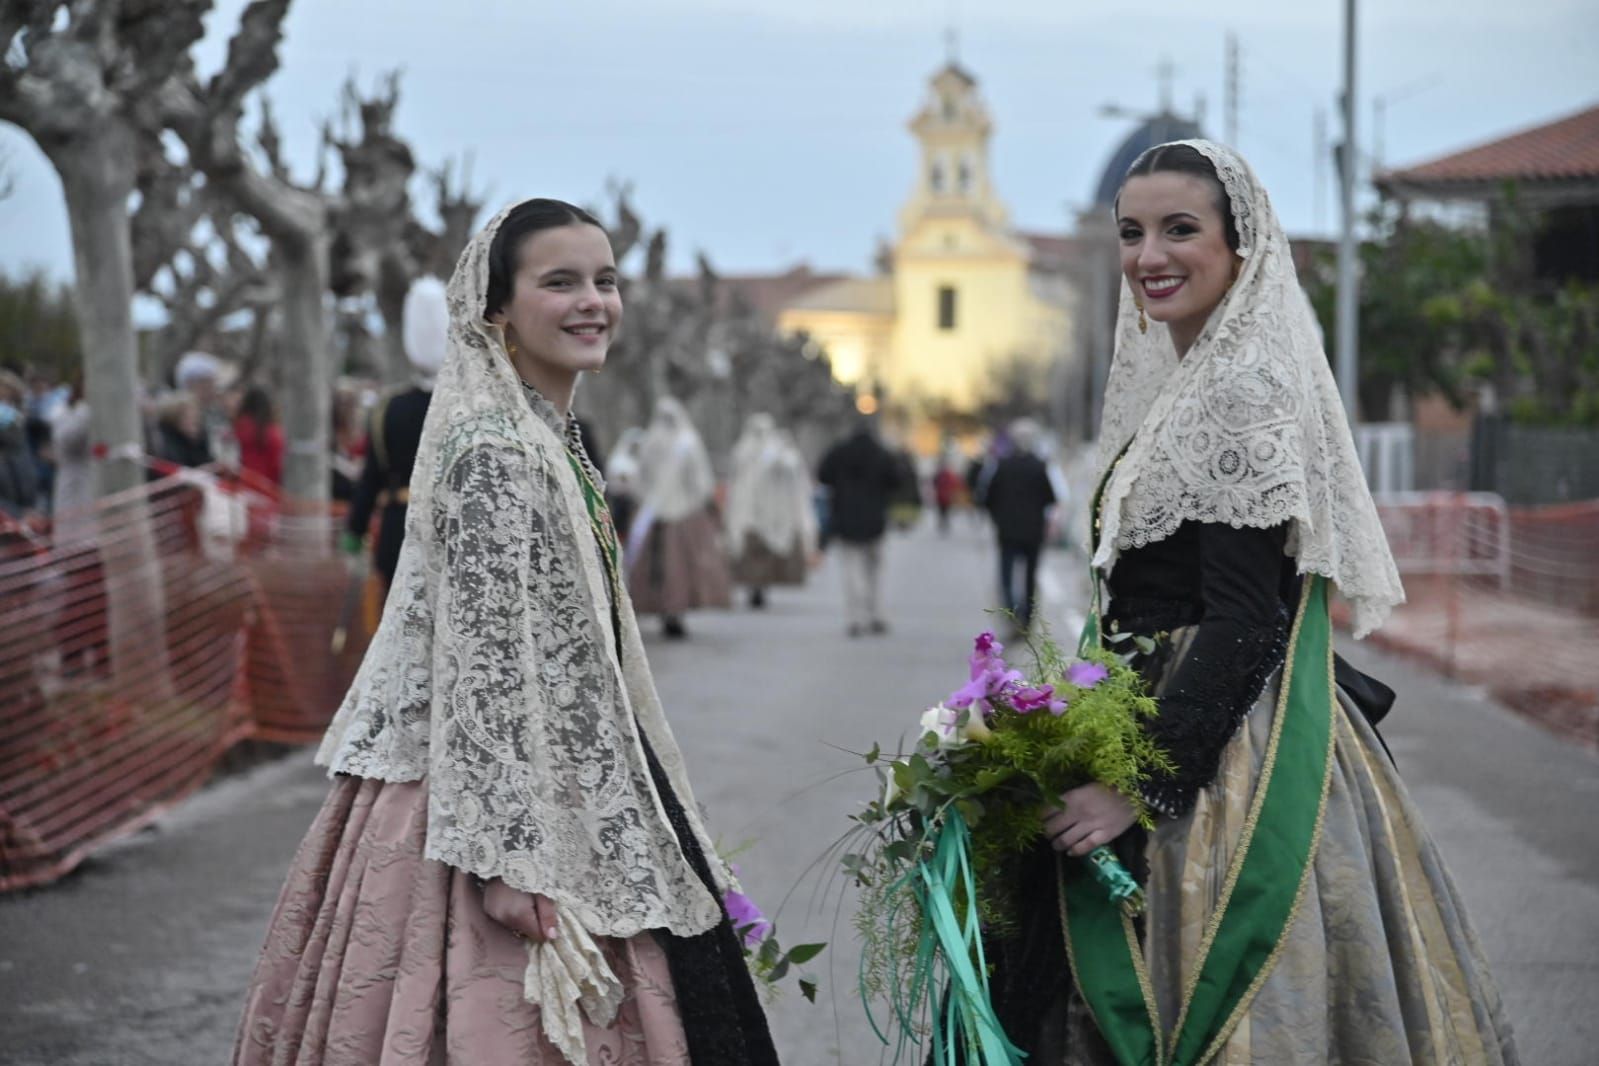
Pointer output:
x,y
1298,911
510,866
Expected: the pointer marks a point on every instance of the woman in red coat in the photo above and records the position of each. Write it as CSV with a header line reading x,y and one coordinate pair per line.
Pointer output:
x,y
259,435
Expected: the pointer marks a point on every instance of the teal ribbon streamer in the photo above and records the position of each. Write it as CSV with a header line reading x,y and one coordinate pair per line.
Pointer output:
x,y
1117,882
949,942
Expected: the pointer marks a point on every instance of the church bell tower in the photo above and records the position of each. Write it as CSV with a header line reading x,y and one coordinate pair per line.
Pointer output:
x,y
952,129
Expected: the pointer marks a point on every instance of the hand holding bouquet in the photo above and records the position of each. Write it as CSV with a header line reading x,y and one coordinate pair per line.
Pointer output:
x,y
931,853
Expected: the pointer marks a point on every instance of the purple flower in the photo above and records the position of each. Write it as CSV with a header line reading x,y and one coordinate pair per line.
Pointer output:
x,y
994,680
1086,675
988,677
1037,698
987,654
748,921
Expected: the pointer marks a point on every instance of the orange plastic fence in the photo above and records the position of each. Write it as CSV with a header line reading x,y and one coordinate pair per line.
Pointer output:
x,y
138,643
1507,598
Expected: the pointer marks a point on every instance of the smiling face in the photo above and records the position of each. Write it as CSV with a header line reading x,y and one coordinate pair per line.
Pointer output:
x,y
1174,249
564,306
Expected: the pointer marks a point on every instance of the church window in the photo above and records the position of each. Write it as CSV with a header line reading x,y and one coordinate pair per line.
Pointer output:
x,y
935,177
963,178
946,307
949,109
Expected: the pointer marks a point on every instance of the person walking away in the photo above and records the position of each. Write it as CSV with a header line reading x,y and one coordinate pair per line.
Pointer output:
x,y
771,524
947,485
1020,495
681,563
861,477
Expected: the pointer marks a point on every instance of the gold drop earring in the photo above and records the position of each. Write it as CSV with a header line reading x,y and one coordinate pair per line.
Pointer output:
x,y
1143,323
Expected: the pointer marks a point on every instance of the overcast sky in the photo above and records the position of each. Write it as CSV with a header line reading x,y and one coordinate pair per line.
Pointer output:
x,y
771,133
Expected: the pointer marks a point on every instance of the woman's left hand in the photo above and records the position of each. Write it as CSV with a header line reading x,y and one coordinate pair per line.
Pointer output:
x,y
1089,816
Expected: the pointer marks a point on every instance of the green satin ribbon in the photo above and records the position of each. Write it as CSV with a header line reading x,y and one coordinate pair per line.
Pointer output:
x,y
1266,880
950,946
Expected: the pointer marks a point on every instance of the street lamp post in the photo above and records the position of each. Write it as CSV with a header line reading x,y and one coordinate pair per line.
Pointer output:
x,y
1348,305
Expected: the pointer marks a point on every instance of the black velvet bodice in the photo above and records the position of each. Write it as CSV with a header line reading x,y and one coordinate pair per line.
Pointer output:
x,y
1234,587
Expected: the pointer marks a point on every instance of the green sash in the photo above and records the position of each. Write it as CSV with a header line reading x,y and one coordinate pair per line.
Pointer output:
x,y
1264,885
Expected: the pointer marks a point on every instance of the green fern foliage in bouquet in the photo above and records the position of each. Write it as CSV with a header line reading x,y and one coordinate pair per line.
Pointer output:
x,y
933,852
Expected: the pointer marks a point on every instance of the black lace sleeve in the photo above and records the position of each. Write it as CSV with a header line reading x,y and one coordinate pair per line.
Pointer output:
x,y
1240,639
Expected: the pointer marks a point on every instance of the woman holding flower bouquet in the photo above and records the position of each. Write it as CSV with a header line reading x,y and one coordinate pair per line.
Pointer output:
x,y
510,866
1297,911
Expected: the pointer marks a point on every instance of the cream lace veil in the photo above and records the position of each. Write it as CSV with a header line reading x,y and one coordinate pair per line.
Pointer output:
x,y
769,490
496,677
1247,428
676,470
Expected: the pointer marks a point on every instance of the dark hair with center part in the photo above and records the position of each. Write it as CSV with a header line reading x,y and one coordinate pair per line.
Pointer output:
x,y
525,219
1186,159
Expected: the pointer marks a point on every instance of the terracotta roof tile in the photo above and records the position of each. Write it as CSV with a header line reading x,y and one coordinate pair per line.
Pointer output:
x,y
1562,150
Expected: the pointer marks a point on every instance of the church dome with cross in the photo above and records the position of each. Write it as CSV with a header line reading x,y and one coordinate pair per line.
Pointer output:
x,y
1156,129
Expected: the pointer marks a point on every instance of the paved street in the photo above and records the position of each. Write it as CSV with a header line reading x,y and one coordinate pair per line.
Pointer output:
x,y
141,956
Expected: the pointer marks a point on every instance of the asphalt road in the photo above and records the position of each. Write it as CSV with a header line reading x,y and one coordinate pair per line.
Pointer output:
x,y
141,956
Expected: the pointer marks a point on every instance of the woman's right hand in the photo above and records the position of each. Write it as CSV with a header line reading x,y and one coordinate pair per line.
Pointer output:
x,y
528,915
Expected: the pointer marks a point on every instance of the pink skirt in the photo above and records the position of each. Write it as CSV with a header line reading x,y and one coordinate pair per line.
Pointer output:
x,y
377,956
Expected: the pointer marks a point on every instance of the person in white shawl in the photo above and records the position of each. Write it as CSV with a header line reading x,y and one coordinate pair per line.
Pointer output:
x,y
1298,912
510,866
679,563
771,523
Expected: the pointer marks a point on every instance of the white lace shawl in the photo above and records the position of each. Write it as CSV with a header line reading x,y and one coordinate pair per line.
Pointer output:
x,y
1247,428
769,490
495,674
675,473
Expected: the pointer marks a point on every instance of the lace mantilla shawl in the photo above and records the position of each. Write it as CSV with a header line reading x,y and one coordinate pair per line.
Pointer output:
x,y
1247,428
769,490
675,472
495,673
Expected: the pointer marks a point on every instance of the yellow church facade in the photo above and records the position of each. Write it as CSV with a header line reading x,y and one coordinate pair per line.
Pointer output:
x,y
964,296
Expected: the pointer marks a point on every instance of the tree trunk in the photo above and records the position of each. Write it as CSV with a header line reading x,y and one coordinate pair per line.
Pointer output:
x,y
97,177
307,370
393,283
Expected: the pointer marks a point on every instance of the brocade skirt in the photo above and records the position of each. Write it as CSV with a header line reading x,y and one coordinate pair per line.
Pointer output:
x,y
1379,965
681,566
377,956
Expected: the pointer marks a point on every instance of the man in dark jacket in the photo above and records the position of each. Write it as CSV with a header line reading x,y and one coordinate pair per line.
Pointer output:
x,y
861,477
396,431
1018,499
